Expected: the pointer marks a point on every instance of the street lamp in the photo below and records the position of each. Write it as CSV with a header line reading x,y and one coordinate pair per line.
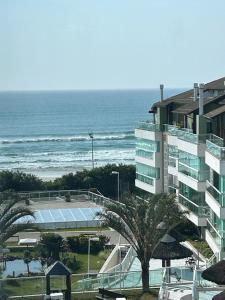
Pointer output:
x,y
95,239
91,135
118,183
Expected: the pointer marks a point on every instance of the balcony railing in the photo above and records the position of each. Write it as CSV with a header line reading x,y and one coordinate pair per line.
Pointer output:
x,y
172,161
144,153
145,179
216,234
149,126
216,194
200,211
215,146
191,172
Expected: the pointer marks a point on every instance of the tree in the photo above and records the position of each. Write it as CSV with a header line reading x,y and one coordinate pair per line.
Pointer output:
x,y
27,258
10,212
50,246
137,220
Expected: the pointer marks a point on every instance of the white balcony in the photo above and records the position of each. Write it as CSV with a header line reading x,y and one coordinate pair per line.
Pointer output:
x,y
215,163
194,218
196,185
172,140
148,135
156,160
155,188
192,148
215,200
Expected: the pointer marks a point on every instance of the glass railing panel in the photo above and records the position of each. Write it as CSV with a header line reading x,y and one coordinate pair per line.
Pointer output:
x,y
191,172
172,161
201,211
147,170
144,153
217,235
149,145
149,126
22,286
215,149
145,179
216,194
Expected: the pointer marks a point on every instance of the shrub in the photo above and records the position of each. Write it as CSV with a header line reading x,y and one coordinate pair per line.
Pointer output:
x,y
79,244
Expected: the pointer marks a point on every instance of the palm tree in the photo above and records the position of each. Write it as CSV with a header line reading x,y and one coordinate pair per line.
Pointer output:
x,y
10,212
137,220
27,258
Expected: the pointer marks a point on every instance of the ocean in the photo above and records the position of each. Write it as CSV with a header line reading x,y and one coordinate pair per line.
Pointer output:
x,y
47,133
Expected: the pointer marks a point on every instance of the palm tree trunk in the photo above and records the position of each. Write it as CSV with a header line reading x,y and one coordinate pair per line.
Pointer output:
x,y
145,276
28,270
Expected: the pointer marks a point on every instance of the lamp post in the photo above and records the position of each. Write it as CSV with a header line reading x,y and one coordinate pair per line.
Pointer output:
x,y
118,183
95,239
91,135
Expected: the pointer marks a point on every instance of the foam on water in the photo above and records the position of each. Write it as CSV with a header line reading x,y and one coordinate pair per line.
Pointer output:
x,y
48,132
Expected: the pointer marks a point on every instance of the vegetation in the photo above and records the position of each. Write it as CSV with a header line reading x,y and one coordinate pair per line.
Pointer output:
x,y
50,246
137,221
10,212
202,247
27,258
79,244
100,178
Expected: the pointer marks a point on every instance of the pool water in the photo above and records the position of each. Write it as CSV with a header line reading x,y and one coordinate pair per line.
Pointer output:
x,y
18,266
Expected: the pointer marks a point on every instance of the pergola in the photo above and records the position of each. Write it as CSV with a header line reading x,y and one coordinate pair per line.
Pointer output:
x,y
58,269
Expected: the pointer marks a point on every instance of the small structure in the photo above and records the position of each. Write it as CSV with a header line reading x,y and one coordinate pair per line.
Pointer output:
x,y
27,242
169,249
58,269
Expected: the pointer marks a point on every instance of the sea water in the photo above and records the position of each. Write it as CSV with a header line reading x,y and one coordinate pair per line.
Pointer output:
x,y
47,133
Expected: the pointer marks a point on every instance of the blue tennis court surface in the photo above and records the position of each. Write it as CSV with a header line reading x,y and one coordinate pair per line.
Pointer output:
x,y
77,217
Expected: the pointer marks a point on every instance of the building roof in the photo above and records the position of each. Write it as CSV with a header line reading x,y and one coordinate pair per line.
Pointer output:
x,y
194,105
188,96
57,268
215,112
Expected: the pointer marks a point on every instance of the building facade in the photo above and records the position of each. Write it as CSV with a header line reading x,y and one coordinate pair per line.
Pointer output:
x,y
183,152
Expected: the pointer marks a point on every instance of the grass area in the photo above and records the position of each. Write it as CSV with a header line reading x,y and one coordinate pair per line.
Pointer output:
x,y
202,247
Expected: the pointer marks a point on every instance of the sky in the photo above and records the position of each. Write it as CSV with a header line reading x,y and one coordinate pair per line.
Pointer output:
x,y
110,44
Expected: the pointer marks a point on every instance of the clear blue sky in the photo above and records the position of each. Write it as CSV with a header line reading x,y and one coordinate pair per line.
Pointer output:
x,y
109,44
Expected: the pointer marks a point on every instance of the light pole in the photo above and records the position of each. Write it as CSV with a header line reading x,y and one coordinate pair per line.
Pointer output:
x,y
95,239
91,135
118,183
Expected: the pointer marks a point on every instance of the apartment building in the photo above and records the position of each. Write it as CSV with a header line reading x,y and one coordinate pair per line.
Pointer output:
x,y
182,151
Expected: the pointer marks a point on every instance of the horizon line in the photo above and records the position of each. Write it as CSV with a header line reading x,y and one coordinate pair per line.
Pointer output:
x,y
91,90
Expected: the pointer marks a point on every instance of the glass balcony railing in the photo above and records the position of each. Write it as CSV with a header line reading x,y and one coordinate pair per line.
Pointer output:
x,y
192,137
191,172
200,211
145,179
172,161
216,234
216,194
144,153
149,126
215,146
